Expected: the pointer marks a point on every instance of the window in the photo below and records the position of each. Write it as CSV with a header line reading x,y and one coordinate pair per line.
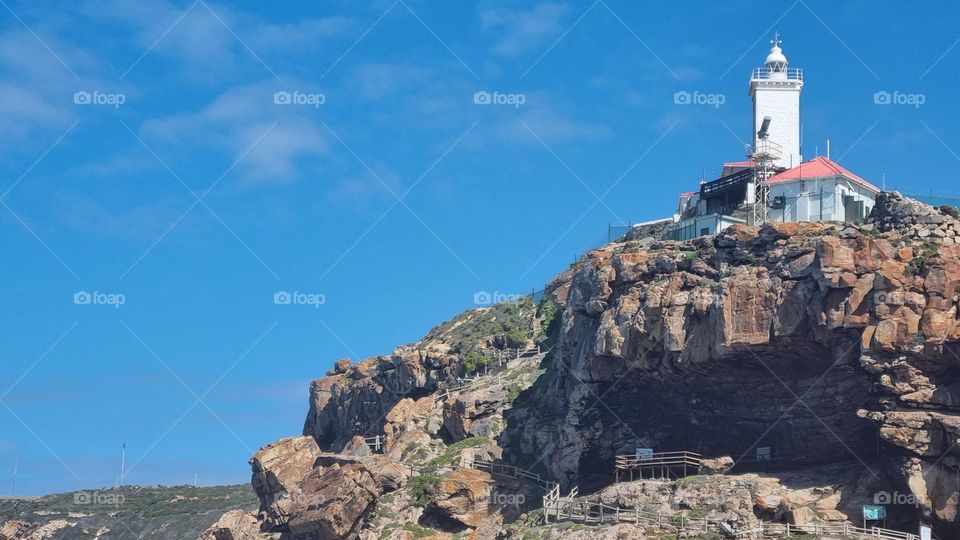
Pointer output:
x,y
705,231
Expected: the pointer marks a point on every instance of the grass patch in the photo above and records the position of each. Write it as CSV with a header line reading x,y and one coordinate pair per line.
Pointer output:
x,y
418,531
452,451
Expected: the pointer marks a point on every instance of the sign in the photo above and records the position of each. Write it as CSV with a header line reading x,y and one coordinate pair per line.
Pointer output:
x,y
874,512
925,532
763,453
644,454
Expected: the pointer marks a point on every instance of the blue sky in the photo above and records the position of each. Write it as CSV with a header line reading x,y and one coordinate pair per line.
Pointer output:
x,y
178,185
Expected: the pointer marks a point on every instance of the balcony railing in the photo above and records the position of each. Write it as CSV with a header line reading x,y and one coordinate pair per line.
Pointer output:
x,y
792,74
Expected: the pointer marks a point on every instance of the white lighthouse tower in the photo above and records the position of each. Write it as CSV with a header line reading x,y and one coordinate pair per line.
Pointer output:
x,y
775,89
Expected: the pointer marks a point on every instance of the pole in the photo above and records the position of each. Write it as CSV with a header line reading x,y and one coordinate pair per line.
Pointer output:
x,y
16,467
123,461
194,478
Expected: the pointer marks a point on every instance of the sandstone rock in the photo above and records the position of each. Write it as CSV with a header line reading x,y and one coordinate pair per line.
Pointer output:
x,y
464,496
334,503
833,254
357,447
342,365
15,529
720,465
236,525
278,472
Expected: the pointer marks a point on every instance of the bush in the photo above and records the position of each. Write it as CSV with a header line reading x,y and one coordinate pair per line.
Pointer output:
x,y
549,313
423,488
473,359
516,338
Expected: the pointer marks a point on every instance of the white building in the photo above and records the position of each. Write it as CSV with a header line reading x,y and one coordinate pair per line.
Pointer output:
x,y
788,188
820,190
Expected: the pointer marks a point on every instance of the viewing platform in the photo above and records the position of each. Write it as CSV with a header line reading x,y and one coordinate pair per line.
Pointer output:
x,y
660,466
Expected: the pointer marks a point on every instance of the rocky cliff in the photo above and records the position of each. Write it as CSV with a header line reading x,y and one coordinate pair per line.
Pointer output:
x,y
823,342
832,347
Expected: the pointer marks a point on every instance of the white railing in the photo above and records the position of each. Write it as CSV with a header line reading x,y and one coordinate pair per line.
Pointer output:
x,y
591,511
513,472
792,74
504,356
844,529
375,443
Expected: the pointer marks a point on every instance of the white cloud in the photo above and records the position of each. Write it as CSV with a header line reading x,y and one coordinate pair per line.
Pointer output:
x,y
239,121
36,95
521,31
209,41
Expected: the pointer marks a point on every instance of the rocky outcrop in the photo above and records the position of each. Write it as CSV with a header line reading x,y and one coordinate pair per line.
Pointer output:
x,y
278,472
913,219
835,346
463,496
811,339
23,530
237,525
335,501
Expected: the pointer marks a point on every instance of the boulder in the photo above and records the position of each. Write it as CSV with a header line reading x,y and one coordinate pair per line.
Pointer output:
x,y
278,472
720,465
236,525
463,495
334,502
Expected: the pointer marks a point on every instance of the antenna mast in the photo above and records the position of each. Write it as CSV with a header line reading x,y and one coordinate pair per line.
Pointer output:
x,y
16,467
123,461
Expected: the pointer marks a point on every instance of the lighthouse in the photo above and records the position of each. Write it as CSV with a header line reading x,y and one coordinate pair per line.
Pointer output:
x,y
775,89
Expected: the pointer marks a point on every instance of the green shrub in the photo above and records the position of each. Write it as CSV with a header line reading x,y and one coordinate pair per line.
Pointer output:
x,y
473,359
915,267
550,314
516,338
423,487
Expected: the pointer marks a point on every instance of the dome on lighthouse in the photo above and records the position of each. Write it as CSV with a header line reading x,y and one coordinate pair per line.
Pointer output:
x,y
776,57
776,62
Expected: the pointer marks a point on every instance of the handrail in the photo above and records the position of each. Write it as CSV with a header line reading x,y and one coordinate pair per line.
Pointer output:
x,y
514,472
503,355
792,74
594,511
660,459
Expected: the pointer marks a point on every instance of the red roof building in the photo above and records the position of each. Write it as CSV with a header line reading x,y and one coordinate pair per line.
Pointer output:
x,y
818,168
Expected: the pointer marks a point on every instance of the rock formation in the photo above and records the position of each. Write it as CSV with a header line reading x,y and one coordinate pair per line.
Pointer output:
x,y
834,347
815,340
